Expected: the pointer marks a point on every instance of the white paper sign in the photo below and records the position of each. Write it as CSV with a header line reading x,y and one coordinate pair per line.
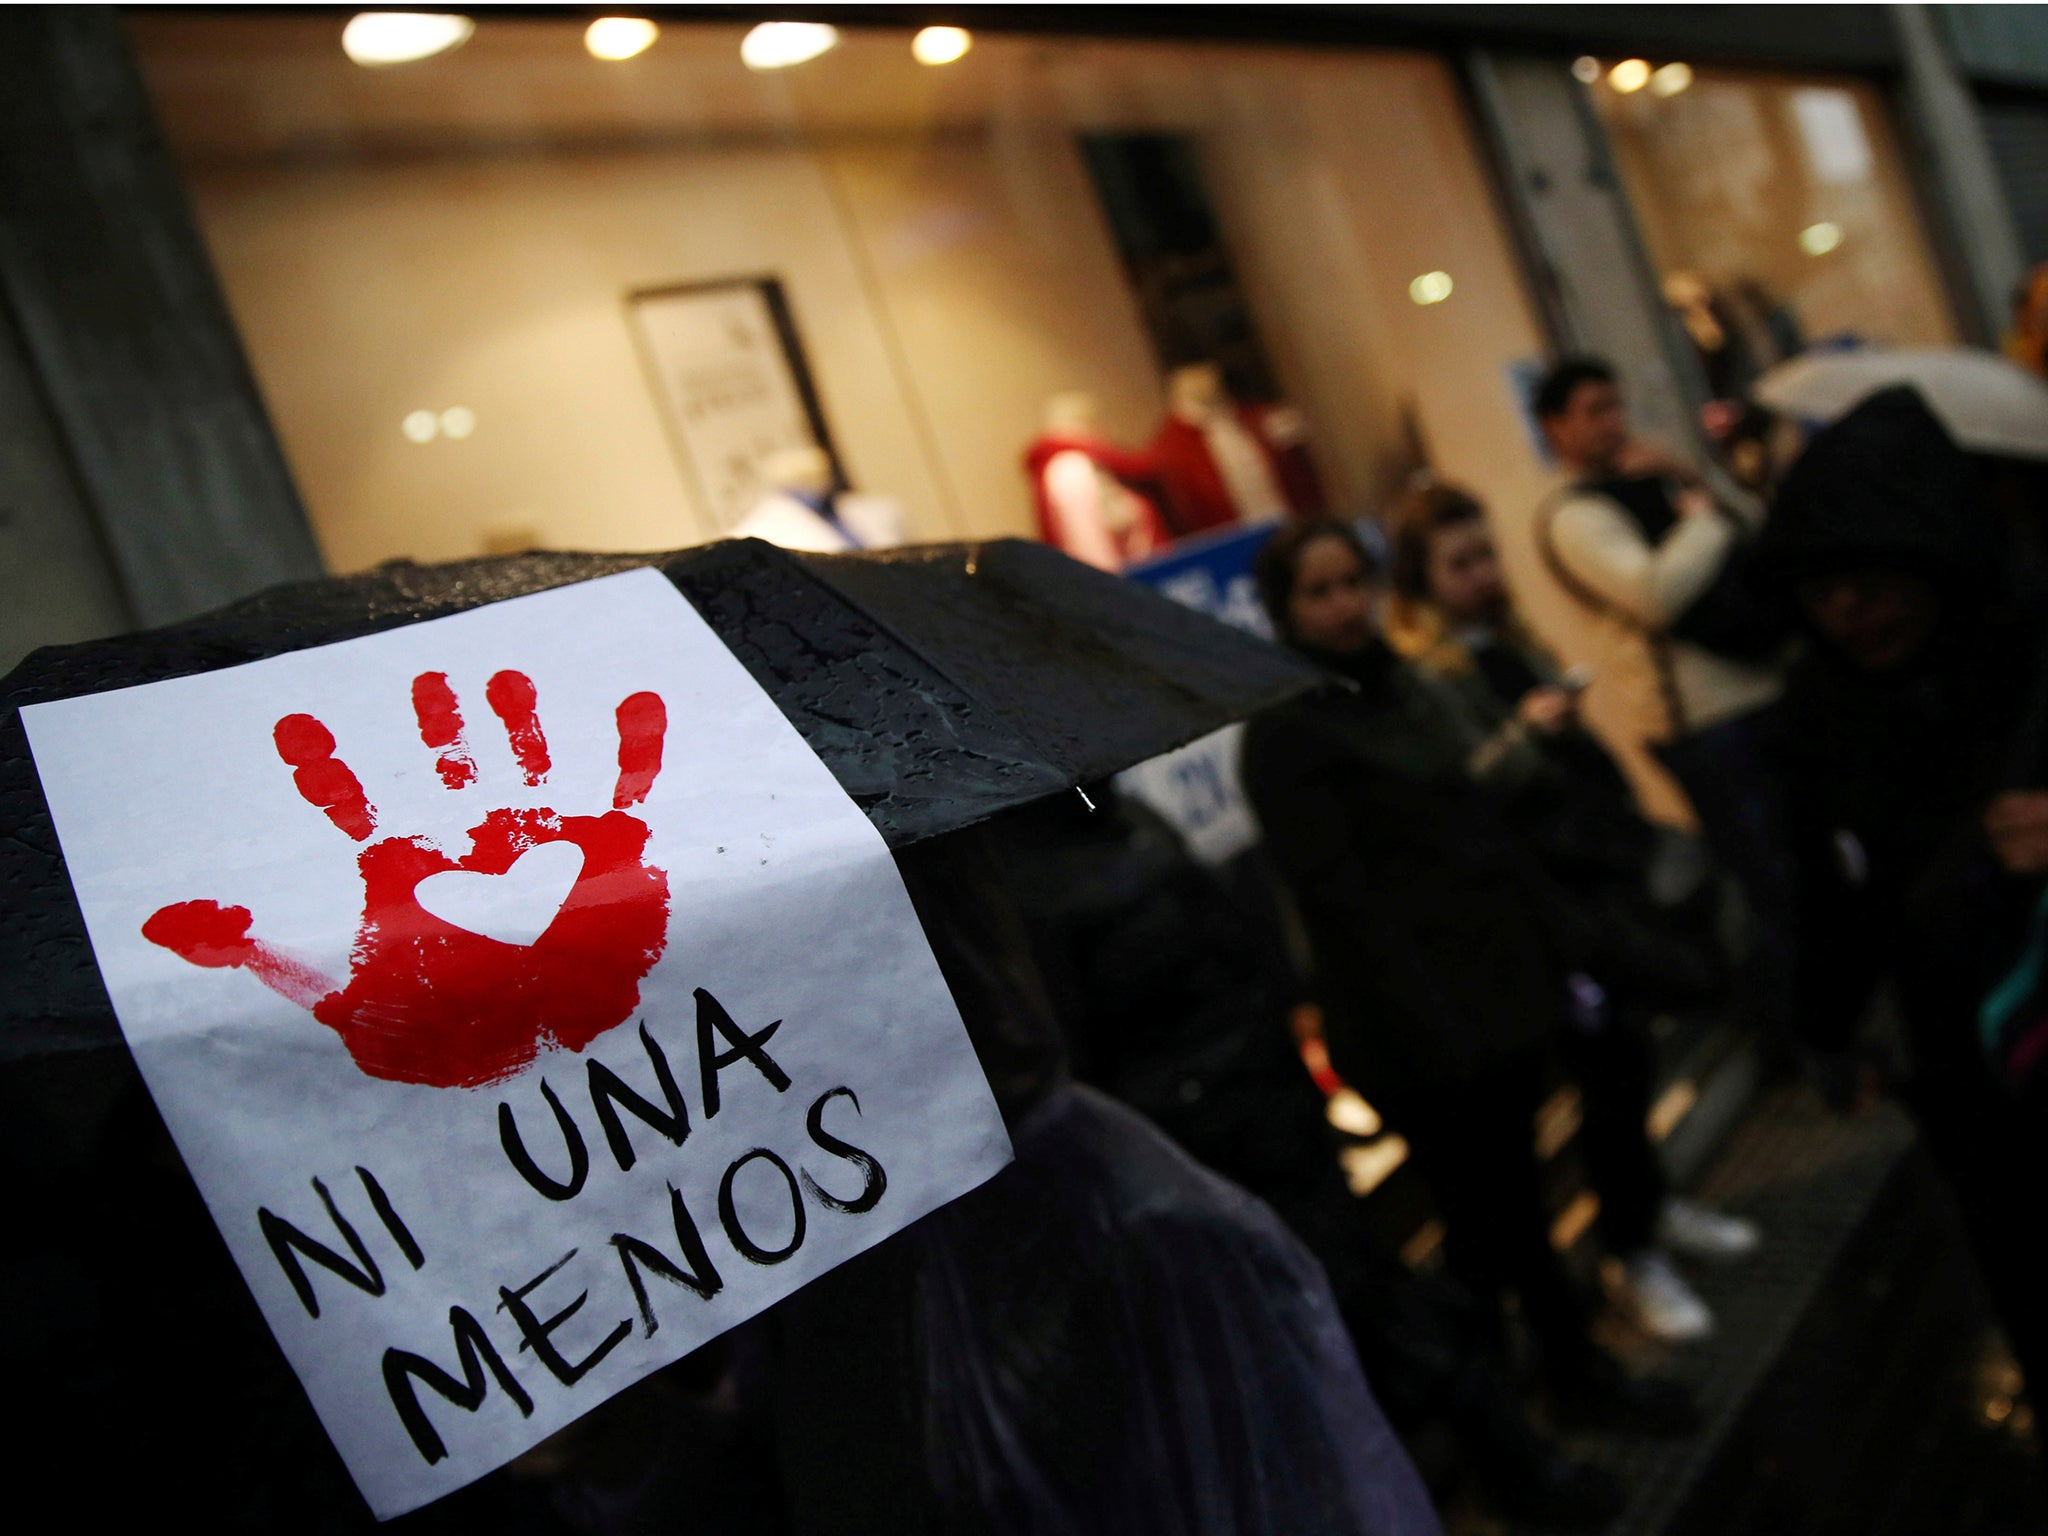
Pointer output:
x,y
528,1001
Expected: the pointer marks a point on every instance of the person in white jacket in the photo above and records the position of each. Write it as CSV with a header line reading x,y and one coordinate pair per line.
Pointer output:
x,y
1633,539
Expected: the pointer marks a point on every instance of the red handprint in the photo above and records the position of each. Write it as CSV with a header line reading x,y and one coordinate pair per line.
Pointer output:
x,y
427,1001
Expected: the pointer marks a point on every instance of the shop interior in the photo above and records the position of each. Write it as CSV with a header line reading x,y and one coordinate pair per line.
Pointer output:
x,y
459,282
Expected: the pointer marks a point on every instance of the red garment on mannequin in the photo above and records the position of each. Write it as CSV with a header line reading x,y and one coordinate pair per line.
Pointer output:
x,y
1134,469
1197,499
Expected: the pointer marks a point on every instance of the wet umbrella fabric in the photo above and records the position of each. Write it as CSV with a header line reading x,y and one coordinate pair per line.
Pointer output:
x,y
1988,403
940,684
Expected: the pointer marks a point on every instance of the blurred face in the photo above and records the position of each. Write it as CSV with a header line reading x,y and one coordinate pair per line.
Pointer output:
x,y
1464,574
1334,597
1592,428
1876,619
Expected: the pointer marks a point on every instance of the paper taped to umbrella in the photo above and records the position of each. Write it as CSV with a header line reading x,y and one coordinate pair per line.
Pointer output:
x,y
509,955
939,684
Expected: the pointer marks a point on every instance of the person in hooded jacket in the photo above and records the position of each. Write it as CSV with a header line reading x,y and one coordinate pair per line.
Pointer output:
x,y
1440,976
1913,753
1173,1000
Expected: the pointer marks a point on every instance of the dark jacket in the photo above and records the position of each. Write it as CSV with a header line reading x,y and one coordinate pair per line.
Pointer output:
x,y
1888,773
1433,959
1172,994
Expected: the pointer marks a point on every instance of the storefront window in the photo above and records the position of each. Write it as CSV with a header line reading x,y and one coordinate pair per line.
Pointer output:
x,y
528,292
1776,209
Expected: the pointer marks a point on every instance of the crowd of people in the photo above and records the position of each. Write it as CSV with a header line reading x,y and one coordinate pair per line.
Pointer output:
x,y
1848,688
1171,1313
1158,1316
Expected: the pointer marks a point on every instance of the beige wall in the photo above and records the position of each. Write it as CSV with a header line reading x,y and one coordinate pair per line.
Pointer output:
x,y
463,232
998,277
1340,184
1723,180
499,285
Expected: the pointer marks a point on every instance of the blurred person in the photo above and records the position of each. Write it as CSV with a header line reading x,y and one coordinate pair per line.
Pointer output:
x,y
1105,1337
2027,342
1170,1002
1685,648
1438,971
1095,499
1618,877
1915,757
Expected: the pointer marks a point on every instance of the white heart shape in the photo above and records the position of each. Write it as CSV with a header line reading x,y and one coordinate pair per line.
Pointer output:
x,y
516,907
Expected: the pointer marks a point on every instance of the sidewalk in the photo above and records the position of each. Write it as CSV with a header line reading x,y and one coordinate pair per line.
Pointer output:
x,y
1855,1383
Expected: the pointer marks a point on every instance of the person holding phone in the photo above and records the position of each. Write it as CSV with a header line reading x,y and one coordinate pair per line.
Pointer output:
x,y
1638,913
1444,982
1646,575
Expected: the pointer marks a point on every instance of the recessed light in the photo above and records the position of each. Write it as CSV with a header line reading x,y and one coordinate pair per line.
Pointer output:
x,y
1819,239
378,38
1629,75
1431,288
779,44
941,45
613,38
1671,79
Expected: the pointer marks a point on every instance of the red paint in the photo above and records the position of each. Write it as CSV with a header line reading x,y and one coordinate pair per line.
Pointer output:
x,y
512,697
206,933
323,779
427,1002
643,723
433,702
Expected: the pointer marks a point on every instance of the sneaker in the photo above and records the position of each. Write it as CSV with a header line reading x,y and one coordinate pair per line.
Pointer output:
x,y
1690,1228
1665,1306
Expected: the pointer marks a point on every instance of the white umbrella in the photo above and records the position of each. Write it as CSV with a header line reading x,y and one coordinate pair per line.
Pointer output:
x,y
1988,404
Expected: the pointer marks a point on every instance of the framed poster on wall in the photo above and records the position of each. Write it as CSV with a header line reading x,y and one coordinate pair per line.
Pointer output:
x,y
728,368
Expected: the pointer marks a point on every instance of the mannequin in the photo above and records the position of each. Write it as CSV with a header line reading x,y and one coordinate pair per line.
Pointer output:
x,y
1224,463
1088,503
800,510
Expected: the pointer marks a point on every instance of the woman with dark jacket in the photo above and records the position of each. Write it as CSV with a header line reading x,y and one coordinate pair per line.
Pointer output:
x,y
1915,757
1649,945
1171,1003
1441,982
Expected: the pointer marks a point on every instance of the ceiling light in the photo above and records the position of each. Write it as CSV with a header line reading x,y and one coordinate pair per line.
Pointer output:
x,y
420,426
941,45
1585,69
377,38
613,38
458,421
1430,288
1671,79
1819,239
779,44
1629,75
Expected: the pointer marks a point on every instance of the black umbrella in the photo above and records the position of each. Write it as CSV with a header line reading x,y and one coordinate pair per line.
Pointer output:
x,y
940,684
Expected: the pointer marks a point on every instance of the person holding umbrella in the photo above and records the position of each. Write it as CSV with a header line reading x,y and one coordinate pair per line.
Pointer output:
x,y
1102,1336
1915,759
